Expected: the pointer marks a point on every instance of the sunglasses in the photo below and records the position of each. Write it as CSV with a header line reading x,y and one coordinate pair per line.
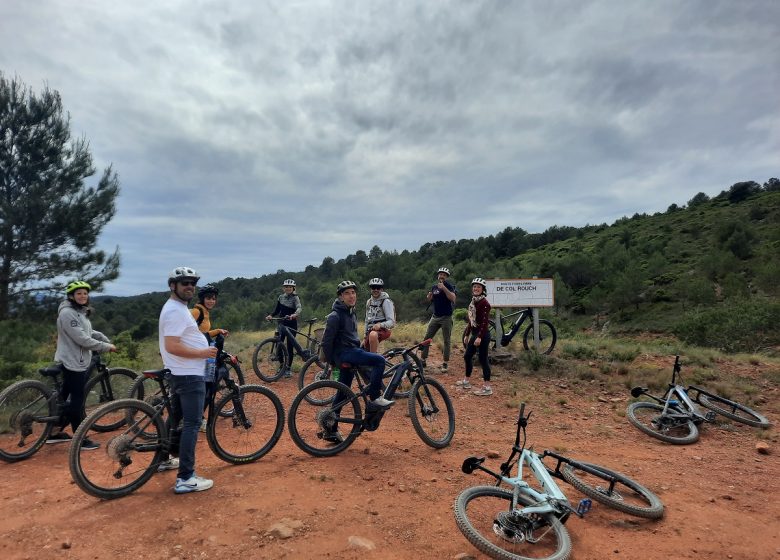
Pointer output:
x,y
188,282
375,287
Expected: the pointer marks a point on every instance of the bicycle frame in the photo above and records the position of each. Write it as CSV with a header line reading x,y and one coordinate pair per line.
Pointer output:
x,y
284,331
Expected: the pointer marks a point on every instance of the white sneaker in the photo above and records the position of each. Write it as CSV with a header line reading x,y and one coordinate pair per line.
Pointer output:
x,y
382,402
203,425
192,484
169,465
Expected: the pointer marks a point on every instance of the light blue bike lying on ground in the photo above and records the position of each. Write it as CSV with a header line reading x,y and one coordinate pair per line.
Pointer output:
x,y
525,522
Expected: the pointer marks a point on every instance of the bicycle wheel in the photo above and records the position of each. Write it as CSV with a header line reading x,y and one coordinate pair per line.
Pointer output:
x,y
249,433
270,360
234,372
23,430
127,458
732,410
415,370
148,390
627,495
115,384
427,404
485,516
313,370
315,428
547,337
670,428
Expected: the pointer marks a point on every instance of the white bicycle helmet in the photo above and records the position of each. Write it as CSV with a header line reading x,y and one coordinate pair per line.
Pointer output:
x,y
378,282
479,281
443,269
182,273
344,284
289,282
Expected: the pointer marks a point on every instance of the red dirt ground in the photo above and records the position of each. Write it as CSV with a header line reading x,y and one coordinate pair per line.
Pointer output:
x,y
389,488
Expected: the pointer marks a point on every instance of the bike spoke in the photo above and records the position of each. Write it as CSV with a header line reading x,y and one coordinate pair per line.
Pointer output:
x,y
22,429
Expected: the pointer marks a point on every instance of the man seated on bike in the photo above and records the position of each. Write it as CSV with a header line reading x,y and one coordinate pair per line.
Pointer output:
x,y
380,315
288,308
75,343
340,344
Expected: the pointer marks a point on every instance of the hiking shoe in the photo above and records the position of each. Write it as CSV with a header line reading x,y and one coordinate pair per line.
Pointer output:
x,y
486,391
287,374
464,383
169,465
203,425
444,366
333,437
192,484
382,402
88,444
59,437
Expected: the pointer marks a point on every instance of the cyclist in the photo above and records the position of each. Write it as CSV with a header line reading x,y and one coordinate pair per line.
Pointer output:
x,y
442,295
207,300
476,337
288,308
184,351
380,315
340,343
75,343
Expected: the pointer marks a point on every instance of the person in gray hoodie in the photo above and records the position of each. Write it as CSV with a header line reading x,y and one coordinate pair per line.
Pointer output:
x,y
76,341
380,315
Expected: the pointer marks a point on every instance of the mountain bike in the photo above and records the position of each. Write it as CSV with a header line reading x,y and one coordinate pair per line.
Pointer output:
x,y
31,409
548,336
269,360
131,454
527,522
320,407
674,417
316,369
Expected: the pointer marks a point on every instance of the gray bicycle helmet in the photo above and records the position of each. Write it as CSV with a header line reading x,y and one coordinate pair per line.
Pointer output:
x,y
443,269
376,282
343,285
182,273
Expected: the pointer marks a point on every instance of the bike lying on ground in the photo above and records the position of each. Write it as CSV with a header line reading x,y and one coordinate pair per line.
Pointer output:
x,y
674,418
548,336
320,407
131,454
524,523
316,369
30,409
269,360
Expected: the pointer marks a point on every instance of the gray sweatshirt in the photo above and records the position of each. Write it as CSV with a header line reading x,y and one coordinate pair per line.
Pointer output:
x,y
75,338
380,310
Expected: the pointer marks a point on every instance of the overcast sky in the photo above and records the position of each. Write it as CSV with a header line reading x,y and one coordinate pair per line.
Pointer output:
x,y
256,136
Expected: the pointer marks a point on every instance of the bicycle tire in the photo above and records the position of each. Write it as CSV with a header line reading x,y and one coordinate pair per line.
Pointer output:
x,y
548,336
313,370
20,405
269,360
730,409
492,333
688,432
307,422
127,458
120,381
235,441
627,495
424,410
235,373
481,511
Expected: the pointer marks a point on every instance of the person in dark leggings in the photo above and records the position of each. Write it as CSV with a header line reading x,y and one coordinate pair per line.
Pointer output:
x,y
476,337
288,308
76,341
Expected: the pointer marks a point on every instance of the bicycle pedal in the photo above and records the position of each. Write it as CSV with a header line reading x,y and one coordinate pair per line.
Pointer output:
x,y
710,415
584,506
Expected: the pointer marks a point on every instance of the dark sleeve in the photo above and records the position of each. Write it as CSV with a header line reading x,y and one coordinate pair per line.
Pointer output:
x,y
277,309
329,336
484,323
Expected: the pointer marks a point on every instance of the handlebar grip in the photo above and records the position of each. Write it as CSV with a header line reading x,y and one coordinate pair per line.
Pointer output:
x,y
522,409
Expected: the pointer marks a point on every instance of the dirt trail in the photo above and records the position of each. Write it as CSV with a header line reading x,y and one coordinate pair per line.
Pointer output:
x,y
392,490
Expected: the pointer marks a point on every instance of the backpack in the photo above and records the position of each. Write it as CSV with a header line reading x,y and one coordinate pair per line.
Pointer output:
x,y
199,320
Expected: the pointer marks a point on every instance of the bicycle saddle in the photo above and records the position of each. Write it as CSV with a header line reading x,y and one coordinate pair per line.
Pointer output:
x,y
51,371
156,373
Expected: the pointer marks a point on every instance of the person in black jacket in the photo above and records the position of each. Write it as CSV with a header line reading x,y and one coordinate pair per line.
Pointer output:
x,y
341,344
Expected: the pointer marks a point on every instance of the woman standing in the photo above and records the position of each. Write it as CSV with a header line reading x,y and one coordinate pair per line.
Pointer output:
x,y
75,343
476,337
288,308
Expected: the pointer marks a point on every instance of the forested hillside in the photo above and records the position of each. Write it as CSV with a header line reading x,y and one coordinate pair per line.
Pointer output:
x,y
706,271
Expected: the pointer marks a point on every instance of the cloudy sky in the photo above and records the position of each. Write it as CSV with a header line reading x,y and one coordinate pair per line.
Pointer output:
x,y
256,136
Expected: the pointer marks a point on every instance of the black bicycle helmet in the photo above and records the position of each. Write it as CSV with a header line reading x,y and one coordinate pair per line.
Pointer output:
x,y
206,290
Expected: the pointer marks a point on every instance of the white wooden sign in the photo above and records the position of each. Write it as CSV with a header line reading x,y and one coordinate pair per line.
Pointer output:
x,y
521,292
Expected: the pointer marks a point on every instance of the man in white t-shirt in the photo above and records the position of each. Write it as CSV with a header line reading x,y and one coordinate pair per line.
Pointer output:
x,y
184,351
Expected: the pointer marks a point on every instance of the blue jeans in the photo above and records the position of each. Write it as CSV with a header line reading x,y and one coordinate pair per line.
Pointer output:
x,y
188,396
359,357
